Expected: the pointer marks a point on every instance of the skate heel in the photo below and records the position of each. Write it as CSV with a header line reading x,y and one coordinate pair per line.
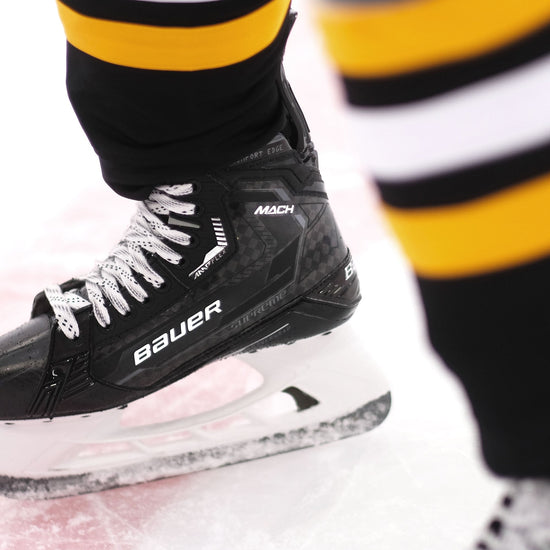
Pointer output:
x,y
335,392
331,304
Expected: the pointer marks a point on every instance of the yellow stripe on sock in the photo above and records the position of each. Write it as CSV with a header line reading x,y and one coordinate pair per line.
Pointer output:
x,y
378,40
175,48
506,229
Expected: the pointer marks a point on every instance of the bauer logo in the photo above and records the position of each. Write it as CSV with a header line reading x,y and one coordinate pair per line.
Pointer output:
x,y
273,210
174,334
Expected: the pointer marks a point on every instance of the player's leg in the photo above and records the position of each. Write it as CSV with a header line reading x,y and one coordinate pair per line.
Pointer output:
x,y
452,109
166,90
234,249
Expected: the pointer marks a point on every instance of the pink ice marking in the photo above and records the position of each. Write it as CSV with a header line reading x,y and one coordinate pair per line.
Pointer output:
x,y
212,386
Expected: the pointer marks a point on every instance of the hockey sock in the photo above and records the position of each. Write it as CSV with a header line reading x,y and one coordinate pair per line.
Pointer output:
x,y
451,103
165,91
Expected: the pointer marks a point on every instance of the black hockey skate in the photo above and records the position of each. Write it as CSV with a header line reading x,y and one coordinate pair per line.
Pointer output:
x,y
244,259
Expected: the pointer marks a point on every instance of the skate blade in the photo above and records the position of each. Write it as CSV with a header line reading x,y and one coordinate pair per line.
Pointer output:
x,y
336,393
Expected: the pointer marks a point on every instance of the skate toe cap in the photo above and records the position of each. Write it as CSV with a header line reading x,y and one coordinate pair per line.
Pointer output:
x,y
23,358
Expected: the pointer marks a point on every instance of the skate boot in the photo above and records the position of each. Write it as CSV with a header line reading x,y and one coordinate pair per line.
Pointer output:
x,y
522,521
244,259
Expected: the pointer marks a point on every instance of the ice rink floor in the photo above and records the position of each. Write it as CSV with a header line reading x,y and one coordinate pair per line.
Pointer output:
x,y
415,483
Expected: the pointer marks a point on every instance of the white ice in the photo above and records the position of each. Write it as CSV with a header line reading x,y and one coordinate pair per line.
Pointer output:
x,y
415,483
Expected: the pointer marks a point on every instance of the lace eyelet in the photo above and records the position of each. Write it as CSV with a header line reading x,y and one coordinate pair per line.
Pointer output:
x,y
164,287
193,242
199,210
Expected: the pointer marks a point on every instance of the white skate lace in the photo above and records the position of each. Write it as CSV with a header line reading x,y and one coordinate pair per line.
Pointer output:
x,y
145,233
523,519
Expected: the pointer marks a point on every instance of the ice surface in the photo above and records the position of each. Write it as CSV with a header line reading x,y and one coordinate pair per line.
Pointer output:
x,y
415,483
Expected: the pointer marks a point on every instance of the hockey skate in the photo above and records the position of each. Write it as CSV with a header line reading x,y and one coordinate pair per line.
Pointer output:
x,y
243,261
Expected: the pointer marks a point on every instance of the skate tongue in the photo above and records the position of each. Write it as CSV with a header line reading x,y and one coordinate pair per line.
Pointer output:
x,y
277,146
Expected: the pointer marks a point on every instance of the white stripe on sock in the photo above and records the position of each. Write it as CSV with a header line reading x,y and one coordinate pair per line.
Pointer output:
x,y
483,121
